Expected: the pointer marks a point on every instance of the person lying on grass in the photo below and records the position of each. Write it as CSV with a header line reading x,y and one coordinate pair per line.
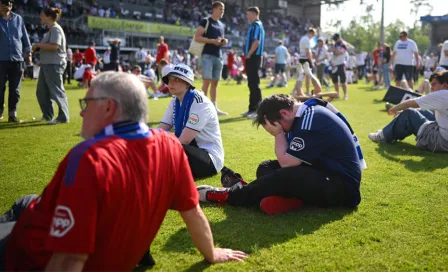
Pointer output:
x,y
318,162
430,135
195,123
109,195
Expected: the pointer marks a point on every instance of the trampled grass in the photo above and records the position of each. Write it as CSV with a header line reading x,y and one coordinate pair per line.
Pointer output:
x,y
401,223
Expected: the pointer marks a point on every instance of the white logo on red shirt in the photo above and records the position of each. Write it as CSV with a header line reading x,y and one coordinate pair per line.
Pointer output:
x,y
297,144
63,221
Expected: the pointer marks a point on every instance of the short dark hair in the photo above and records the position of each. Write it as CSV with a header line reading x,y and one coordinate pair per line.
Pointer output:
x,y
442,77
269,108
404,33
311,30
217,4
256,10
54,13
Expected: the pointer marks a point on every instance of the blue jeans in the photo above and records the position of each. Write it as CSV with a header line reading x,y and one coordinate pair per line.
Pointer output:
x,y
10,72
406,124
386,74
211,67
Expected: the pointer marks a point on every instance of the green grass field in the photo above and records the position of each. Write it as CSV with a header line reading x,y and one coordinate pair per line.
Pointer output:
x,y
401,223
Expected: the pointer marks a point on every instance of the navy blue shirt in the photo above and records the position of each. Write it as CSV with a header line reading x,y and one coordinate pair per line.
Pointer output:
x,y
255,32
114,52
321,139
14,39
215,30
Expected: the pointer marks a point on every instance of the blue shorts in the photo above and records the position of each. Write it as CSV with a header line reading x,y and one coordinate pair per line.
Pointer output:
x,y
211,67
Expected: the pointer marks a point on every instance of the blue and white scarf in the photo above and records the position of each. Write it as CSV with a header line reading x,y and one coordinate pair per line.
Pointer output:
x,y
181,113
330,107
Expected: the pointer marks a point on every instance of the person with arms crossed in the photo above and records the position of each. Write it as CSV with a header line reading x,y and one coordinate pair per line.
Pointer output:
x,y
338,64
195,122
113,176
14,42
405,50
318,163
253,52
430,135
211,59
280,57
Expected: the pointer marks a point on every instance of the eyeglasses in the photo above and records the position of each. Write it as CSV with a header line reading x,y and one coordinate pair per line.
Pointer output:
x,y
84,101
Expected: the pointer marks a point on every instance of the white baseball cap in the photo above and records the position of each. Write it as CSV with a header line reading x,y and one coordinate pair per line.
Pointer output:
x,y
181,71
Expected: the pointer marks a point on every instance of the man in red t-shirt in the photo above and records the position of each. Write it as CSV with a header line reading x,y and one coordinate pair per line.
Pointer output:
x,y
162,53
90,55
109,195
376,67
78,58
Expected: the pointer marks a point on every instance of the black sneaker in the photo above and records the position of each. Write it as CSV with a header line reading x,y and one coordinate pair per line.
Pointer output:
x,y
230,178
13,119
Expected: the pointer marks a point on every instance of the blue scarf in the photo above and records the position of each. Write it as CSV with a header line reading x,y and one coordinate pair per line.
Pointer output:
x,y
313,102
181,113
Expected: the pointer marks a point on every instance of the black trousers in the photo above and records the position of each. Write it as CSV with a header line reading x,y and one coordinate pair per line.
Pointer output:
x,y
7,222
12,72
303,182
200,162
68,73
253,80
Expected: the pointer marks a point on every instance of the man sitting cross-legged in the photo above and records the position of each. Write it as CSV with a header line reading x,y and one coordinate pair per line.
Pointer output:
x,y
109,195
431,135
195,122
318,162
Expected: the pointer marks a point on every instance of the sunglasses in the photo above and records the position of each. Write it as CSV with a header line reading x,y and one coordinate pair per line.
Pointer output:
x,y
83,102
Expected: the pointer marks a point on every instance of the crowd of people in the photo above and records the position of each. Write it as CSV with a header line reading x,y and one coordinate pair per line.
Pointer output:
x,y
319,160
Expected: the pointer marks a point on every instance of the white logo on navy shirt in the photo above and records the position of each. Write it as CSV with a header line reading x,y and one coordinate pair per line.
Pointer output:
x,y
297,144
63,221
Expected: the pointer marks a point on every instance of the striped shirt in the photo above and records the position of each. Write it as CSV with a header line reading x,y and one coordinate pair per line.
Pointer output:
x,y
255,32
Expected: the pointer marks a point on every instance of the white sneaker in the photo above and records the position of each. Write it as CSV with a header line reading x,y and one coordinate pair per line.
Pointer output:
x,y
252,115
306,69
221,113
345,97
377,137
245,114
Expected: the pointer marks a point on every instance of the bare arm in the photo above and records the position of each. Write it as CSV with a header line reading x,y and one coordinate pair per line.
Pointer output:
x,y
309,56
417,63
403,105
253,48
48,46
392,57
66,262
202,237
200,39
445,52
187,136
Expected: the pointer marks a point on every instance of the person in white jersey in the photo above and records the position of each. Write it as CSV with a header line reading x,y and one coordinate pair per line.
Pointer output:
x,y
444,55
306,56
338,64
404,51
280,57
195,122
321,53
361,64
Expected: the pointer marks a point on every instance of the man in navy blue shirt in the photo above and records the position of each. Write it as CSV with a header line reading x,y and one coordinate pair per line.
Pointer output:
x,y
253,51
14,41
211,32
317,162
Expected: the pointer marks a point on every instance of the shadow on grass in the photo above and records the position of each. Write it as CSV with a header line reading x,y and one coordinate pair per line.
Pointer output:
x,y
248,229
429,161
25,124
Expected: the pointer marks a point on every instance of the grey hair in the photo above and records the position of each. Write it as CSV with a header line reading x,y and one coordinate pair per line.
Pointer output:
x,y
127,90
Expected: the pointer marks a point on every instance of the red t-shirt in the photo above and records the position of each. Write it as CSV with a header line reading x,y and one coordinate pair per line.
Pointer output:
x,y
87,75
376,55
107,199
230,60
161,51
90,54
78,57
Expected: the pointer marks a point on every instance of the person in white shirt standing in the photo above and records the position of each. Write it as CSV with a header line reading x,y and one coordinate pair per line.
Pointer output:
x,y
404,51
140,57
306,57
431,135
361,64
281,55
444,55
321,53
351,63
338,64
106,60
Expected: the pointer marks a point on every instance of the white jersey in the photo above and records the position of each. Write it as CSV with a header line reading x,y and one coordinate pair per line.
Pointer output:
x,y
361,59
339,59
321,54
404,52
351,63
204,119
140,56
430,62
437,101
80,72
304,45
443,58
